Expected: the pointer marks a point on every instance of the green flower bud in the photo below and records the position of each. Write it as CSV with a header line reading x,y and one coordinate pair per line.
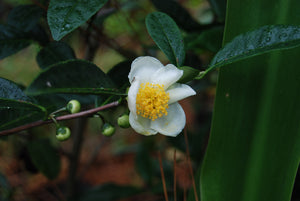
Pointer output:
x,y
123,121
108,129
63,133
73,106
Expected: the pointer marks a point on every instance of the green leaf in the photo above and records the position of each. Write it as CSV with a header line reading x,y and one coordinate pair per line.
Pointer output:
x,y
167,36
210,39
189,74
11,90
180,15
108,192
254,148
24,17
119,73
54,52
45,157
11,41
262,40
64,15
15,113
15,107
73,76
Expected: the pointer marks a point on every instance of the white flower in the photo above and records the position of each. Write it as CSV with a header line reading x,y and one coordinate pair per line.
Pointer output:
x,y
153,97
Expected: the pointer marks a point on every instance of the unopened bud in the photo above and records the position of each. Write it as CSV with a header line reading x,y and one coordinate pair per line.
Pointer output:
x,y
108,129
63,133
123,121
73,106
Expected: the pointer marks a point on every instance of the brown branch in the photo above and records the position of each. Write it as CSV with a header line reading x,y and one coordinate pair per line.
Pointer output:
x,y
60,118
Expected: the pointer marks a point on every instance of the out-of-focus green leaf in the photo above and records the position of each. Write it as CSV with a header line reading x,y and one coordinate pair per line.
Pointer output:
x,y
210,39
167,36
24,17
262,40
11,40
64,15
53,53
180,15
72,76
219,7
45,157
108,192
254,147
119,73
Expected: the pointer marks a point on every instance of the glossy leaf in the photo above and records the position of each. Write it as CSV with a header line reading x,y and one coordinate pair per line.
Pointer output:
x,y
167,36
10,90
108,192
180,15
254,147
16,113
45,157
262,40
11,41
15,107
24,17
53,53
73,76
64,15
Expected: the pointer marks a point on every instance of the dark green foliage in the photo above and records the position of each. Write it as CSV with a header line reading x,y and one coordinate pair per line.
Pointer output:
x,y
45,157
64,15
54,52
72,76
25,17
167,36
180,15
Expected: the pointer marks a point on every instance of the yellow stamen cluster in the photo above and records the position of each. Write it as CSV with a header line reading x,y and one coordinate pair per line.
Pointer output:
x,y
152,101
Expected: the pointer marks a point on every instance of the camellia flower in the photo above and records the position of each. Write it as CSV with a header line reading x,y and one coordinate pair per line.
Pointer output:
x,y
153,97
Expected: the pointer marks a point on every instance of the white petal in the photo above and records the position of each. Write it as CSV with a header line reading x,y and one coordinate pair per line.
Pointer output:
x,y
141,125
167,75
178,92
171,124
132,92
144,67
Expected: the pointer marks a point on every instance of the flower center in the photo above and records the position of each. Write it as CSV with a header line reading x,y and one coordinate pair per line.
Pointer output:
x,y
152,101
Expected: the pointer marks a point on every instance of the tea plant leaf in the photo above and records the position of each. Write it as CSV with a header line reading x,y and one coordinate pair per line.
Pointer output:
x,y
54,52
180,15
11,41
72,76
262,40
15,113
11,90
66,15
24,17
44,157
167,36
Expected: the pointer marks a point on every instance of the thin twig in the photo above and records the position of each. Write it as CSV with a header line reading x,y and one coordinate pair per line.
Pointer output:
x,y
163,177
190,165
60,118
